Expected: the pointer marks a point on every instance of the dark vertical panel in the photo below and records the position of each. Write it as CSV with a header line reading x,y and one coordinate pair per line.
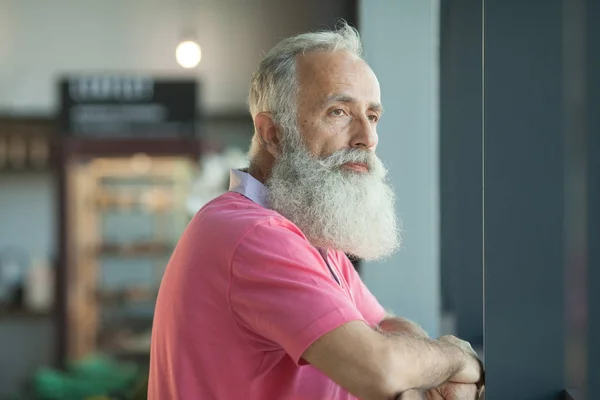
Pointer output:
x,y
351,16
593,107
582,133
460,166
524,167
575,132
447,168
352,13
62,260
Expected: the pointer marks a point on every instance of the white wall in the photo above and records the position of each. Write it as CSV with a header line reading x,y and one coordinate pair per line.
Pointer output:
x,y
27,214
41,40
401,45
27,225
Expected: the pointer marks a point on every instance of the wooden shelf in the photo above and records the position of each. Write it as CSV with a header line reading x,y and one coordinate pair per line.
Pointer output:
x,y
127,295
27,145
98,317
134,250
17,314
157,201
126,147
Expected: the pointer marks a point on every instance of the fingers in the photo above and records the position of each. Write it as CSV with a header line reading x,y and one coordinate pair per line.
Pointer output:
x,y
448,391
466,392
473,372
464,345
434,394
459,391
412,395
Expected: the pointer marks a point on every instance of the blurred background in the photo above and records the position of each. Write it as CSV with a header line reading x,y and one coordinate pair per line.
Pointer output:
x,y
120,119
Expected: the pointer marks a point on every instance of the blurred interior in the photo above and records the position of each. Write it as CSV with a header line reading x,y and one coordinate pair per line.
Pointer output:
x,y
112,135
115,130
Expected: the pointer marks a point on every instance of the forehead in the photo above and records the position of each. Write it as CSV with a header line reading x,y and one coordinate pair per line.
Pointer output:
x,y
321,74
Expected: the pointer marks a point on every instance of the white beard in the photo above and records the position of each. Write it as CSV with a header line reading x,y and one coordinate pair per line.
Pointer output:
x,y
335,208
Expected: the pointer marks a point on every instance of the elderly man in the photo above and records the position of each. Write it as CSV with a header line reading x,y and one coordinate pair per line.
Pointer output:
x,y
259,300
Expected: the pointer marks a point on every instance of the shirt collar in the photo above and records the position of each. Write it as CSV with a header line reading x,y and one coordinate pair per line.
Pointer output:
x,y
240,181
245,184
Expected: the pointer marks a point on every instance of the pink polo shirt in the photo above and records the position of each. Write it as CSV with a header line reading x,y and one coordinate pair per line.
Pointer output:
x,y
244,295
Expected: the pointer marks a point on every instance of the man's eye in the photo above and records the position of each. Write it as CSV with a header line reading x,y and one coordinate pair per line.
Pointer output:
x,y
338,112
373,118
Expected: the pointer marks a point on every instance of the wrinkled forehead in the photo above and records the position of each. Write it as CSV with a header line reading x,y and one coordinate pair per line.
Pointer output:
x,y
321,74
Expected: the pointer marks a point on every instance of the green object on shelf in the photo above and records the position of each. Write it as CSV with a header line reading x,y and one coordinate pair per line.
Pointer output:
x,y
94,376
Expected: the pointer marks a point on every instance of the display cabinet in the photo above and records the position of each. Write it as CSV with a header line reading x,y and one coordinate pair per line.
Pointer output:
x,y
121,212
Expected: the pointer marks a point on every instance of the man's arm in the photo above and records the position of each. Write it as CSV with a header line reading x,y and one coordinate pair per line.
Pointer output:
x,y
392,324
322,326
375,366
449,390
452,391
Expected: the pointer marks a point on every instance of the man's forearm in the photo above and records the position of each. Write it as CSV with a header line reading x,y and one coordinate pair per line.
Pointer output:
x,y
399,325
422,362
414,336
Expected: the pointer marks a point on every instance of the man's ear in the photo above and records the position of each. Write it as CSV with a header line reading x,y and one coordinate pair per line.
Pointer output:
x,y
268,133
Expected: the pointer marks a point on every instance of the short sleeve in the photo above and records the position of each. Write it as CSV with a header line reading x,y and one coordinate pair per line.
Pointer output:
x,y
372,311
281,289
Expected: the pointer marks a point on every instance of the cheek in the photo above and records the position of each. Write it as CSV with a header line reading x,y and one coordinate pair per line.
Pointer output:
x,y
330,146
338,126
334,131
313,138
325,137
338,134
318,147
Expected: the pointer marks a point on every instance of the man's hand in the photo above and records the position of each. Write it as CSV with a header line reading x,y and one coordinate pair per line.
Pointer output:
x,y
448,391
454,391
473,371
413,394
461,386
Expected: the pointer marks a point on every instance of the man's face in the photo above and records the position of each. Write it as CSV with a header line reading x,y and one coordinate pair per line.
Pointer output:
x,y
327,179
339,104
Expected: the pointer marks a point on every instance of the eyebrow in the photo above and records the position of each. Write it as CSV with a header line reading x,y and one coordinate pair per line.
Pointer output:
x,y
344,98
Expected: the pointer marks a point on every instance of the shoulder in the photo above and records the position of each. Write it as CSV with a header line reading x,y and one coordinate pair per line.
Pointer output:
x,y
234,219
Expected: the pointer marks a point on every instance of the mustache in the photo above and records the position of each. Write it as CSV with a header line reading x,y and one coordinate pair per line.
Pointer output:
x,y
343,156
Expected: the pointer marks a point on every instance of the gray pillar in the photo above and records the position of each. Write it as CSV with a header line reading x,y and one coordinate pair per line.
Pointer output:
x,y
593,135
582,140
460,166
523,199
401,45
576,164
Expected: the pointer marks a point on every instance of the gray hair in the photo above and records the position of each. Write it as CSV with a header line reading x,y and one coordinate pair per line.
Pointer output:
x,y
274,85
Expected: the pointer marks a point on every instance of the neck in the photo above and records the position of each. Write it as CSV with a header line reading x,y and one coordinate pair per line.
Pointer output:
x,y
257,174
260,168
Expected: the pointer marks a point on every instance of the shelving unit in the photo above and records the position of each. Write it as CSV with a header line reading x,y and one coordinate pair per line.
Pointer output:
x,y
26,144
125,217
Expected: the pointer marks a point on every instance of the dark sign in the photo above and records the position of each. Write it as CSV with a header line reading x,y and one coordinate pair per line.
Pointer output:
x,y
127,107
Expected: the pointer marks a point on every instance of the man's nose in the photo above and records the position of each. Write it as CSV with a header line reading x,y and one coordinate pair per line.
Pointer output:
x,y
364,134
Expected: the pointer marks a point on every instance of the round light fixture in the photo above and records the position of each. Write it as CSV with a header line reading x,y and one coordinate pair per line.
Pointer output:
x,y
188,54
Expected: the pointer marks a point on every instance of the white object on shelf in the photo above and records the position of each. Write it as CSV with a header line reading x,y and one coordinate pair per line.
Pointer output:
x,y
39,287
213,179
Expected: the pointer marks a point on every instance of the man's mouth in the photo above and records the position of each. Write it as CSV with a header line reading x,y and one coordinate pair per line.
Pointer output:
x,y
356,167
